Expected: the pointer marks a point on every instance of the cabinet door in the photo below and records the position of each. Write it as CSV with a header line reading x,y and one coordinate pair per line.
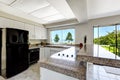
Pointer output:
x,y
44,33
31,30
42,53
8,23
47,53
55,50
5,22
38,32
17,25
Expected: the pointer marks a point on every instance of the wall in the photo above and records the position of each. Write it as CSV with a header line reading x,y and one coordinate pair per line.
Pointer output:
x,y
83,29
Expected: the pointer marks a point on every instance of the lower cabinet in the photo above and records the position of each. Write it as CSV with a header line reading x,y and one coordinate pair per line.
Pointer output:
x,y
55,50
46,52
41,55
46,74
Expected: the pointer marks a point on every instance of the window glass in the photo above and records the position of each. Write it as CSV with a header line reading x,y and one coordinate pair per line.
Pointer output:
x,y
107,41
66,36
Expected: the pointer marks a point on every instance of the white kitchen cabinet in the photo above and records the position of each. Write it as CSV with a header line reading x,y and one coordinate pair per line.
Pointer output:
x,y
31,30
44,53
35,32
44,33
4,22
40,32
17,25
55,50
8,23
47,52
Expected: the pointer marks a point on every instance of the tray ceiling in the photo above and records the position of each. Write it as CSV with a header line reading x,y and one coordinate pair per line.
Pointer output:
x,y
51,11
8,2
43,9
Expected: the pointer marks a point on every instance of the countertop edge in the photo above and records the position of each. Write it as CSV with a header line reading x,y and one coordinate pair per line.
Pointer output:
x,y
99,60
79,73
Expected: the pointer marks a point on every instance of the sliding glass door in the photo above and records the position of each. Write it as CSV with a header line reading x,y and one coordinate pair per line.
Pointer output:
x,y
107,41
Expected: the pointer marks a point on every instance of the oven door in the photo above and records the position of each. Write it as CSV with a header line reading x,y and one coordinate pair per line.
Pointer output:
x,y
33,55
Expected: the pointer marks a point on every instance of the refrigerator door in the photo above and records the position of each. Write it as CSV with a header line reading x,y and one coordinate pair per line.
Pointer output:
x,y
16,36
17,59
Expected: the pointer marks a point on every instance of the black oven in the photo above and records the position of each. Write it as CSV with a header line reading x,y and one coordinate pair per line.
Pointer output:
x,y
33,55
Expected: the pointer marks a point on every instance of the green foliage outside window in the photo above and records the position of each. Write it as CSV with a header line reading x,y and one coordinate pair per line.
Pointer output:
x,y
56,39
69,37
109,42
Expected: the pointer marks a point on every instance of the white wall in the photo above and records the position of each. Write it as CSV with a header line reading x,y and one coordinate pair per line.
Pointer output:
x,y
87,29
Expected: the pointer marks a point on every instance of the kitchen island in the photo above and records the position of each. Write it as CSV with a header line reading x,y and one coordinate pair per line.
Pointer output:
x,y
64,62
76,66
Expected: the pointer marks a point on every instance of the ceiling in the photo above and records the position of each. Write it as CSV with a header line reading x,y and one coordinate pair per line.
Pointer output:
x,y
51,11
45,10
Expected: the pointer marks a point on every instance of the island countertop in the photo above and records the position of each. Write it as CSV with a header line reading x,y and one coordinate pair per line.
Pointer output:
x,y
65,66
75,68
70,68
98,60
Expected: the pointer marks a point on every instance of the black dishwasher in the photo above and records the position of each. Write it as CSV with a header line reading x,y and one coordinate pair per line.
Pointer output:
x,y
33,55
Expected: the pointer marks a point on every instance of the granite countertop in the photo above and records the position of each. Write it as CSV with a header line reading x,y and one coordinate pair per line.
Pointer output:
x,y
64,65
70,68
98,60
57,46
77,67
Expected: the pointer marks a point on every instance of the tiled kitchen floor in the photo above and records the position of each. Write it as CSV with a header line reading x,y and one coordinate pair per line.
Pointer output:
x,y
32,73
97,72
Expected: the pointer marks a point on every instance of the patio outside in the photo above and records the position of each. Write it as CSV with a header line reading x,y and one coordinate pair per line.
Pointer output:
x,y
107,42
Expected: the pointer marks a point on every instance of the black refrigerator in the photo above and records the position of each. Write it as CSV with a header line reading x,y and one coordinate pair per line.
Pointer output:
x,y
16,58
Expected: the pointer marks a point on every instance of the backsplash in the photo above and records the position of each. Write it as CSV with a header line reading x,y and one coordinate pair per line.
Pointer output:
x,y
34,41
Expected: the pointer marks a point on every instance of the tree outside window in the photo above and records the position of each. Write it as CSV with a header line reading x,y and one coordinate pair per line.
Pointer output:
x,y
64,36
69,37
56,39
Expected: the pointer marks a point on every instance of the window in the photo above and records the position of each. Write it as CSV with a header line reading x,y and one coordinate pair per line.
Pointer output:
x,y
107,41
66,36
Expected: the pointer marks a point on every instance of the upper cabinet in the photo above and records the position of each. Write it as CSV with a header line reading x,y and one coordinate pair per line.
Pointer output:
x,y
8,23
18,25
4,23
36,32
31,30
40,32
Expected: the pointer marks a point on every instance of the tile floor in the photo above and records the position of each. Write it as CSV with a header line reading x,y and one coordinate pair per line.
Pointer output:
x,y
32,73
94,72
97,72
